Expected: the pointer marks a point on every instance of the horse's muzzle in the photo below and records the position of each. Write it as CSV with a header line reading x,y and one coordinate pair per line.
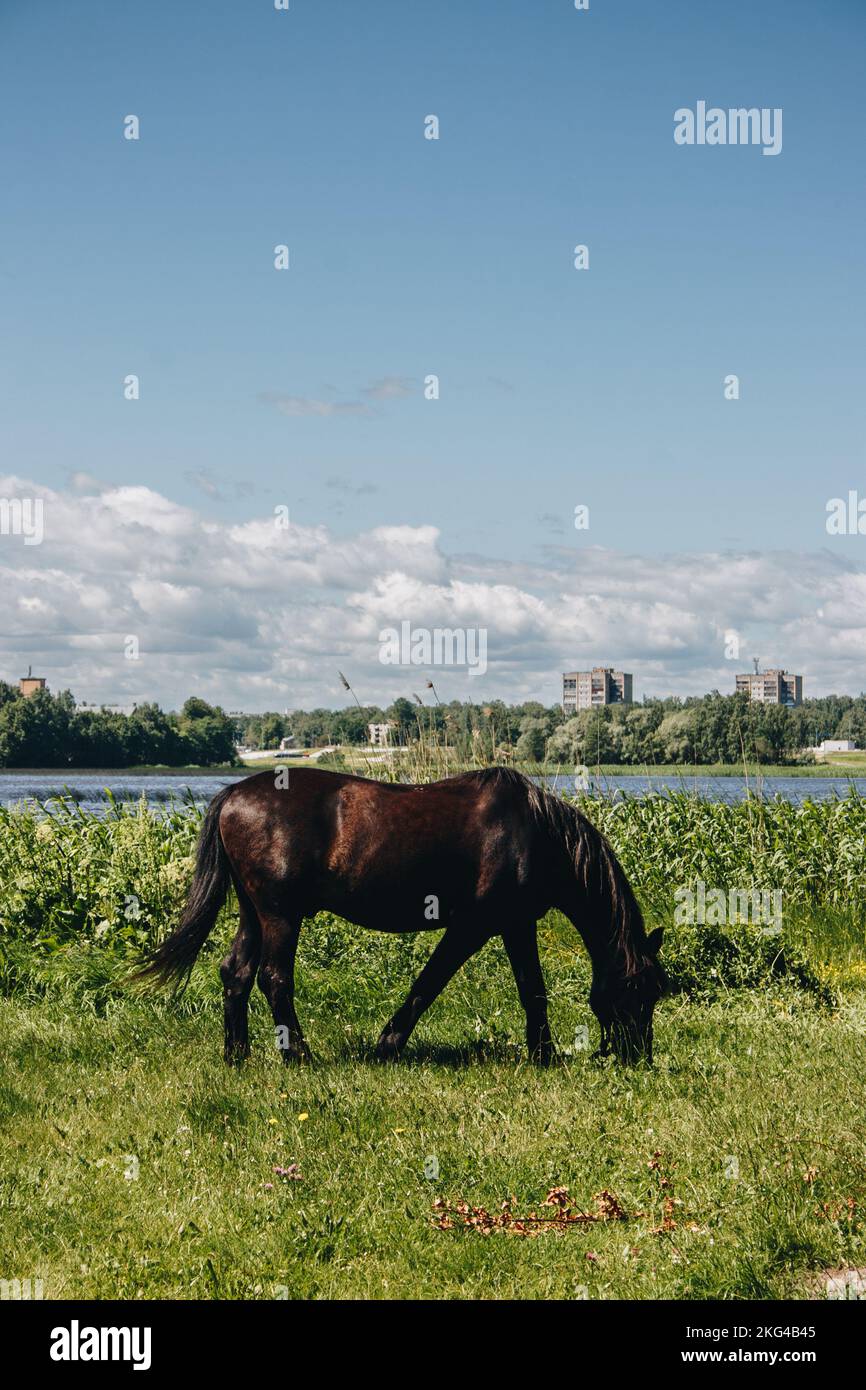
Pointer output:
x,y
625,1043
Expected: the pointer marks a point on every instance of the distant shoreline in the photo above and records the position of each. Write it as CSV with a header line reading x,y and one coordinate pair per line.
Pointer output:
x,y
157,770
691,770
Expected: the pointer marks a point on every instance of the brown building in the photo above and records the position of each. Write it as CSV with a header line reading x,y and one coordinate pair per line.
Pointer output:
x,y
600,686
29,684
771,687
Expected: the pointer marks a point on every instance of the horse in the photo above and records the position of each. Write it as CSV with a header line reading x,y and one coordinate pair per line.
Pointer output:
x,y
482,854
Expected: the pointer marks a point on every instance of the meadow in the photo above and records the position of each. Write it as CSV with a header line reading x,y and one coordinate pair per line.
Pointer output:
x,y
134,1164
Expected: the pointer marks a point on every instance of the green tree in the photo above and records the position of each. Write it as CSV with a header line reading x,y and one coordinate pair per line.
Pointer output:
x,y
675,737
152,738
34,731
272,730
404,716
207,733
533,740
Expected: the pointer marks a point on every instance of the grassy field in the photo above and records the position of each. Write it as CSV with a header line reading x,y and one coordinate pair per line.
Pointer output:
x,y
134,1164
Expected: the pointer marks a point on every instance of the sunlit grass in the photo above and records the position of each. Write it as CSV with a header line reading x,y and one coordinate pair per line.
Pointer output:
x,y
754,1107
738,1159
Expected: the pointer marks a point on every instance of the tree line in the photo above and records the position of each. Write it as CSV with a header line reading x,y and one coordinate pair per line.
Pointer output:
x,y
698,729
46,730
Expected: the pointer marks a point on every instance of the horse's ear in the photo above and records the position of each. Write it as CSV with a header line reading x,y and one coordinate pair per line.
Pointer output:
x,y
654,941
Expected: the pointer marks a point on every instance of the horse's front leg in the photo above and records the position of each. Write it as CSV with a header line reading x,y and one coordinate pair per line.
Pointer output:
x,y
521,944
452,950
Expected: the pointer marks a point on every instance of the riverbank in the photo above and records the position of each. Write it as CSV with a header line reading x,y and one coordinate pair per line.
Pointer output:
x,y
364,763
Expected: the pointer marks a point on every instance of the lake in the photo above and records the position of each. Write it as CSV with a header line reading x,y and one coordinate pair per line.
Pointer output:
x,y
93,790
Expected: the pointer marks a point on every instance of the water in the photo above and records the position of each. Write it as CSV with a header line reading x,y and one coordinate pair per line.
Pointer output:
x,y
91,789
164,790
726,789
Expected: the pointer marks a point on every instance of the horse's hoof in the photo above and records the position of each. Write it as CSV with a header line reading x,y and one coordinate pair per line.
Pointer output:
x,y
234,1056
388,1048
296,1056
543,1056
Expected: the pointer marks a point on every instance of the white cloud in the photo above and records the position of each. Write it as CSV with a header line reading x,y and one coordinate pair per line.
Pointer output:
x,y
306,405
389,388
256,616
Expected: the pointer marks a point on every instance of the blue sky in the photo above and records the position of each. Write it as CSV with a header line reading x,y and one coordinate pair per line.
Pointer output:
x,y
453,257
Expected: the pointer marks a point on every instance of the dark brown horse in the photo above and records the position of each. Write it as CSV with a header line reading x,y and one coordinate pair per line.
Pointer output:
x,y
483,854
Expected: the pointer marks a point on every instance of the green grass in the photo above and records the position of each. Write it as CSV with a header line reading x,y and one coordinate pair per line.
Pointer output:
x,y
115,883
755,1106
739,1158
844,763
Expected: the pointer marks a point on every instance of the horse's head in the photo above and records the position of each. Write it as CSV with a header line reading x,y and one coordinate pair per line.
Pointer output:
x,y
624,1006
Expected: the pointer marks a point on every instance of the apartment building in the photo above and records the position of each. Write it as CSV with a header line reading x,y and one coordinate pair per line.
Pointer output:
x,y
600,686
773,687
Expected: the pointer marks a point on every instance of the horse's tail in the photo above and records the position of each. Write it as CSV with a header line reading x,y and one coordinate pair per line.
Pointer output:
x,y
177,954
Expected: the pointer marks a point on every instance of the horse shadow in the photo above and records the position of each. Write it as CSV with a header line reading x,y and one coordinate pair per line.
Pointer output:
x,y
449,1056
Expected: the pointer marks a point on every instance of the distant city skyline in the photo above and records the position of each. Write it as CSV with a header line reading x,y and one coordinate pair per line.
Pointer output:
x,y
493,390
601,686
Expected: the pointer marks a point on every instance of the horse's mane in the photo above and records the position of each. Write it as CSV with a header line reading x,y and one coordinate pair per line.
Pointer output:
x,y
598,870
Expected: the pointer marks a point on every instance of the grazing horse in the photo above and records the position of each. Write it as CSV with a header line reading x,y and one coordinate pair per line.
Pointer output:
x,y
482,854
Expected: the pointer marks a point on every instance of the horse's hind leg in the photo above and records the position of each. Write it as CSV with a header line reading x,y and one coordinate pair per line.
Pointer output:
x,y
521,944
277,983
452,950
238,971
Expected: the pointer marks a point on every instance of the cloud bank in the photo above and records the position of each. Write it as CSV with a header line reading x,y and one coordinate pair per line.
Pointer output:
x,y
260,616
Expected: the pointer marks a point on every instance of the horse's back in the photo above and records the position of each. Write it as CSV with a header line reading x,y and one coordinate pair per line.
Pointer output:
x,y
375,851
